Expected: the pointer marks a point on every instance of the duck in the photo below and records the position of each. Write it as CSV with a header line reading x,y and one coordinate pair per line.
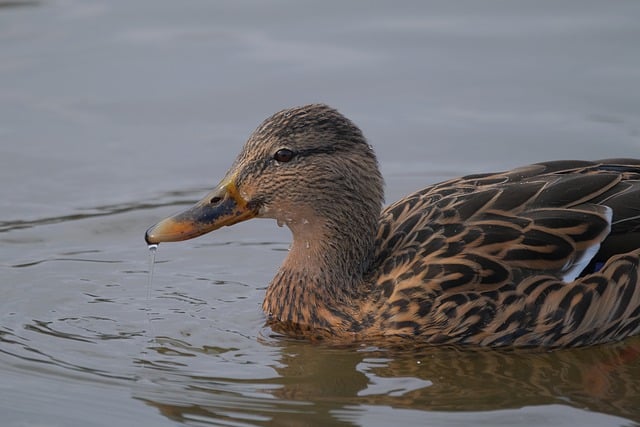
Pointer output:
x,y
545,255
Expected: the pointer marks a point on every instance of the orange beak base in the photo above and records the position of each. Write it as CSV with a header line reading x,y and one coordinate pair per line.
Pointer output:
x,y
223,206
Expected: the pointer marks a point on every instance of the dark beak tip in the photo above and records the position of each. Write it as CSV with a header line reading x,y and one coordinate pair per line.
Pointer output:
x,y
148,236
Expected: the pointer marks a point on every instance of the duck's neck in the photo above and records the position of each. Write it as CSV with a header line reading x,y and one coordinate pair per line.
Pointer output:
x,y
321,282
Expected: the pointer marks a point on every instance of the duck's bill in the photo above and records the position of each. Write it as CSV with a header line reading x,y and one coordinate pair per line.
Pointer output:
x,y
223,206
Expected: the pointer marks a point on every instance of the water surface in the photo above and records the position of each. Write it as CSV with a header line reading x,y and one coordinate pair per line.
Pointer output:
x,y
116,114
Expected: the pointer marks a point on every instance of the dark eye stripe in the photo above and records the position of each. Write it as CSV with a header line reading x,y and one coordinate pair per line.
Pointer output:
x,y
322,150
285,155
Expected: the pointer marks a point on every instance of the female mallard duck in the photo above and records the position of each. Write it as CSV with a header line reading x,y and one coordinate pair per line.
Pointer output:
x,y
543,255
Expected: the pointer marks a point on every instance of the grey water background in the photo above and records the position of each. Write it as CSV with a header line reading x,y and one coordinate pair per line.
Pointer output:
x,y
115,114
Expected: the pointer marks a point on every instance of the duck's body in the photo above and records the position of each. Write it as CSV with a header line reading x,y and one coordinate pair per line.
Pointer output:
x,y
544,255
526,257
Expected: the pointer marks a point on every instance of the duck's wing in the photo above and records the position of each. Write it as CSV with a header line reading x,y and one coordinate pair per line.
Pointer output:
x,y
491,259
482,231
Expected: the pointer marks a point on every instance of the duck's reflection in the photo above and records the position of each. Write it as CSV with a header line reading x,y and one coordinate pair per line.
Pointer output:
x,y
317,385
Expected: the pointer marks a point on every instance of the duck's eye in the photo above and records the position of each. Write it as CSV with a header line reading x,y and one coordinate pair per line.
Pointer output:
x,y
283,155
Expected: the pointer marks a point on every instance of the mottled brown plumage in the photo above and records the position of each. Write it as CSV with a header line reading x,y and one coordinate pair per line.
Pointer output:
x,y
543,255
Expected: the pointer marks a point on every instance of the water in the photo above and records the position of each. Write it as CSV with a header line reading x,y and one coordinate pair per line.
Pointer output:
x,y
114,115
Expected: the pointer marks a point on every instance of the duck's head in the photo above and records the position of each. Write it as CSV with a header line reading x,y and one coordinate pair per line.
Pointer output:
x,y
305,165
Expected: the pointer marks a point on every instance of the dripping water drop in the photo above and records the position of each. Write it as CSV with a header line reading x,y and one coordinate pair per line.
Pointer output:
x,y
152,261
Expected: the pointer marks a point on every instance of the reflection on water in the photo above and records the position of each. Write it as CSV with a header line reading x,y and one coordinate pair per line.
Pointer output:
x,y
326,384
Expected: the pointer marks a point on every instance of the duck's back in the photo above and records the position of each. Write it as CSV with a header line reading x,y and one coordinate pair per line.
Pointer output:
x,y
547,254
